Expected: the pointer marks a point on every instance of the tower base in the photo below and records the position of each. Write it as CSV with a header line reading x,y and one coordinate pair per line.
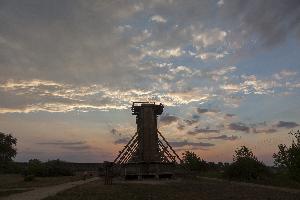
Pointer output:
x,y
143,170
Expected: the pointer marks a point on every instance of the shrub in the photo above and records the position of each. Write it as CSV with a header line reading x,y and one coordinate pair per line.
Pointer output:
x,y
9,167
193,162
289,157
57,168
49,168
29,178
246,166
35,167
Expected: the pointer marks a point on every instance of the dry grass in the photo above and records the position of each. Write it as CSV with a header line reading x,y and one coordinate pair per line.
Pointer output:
x,y
181,190
9,181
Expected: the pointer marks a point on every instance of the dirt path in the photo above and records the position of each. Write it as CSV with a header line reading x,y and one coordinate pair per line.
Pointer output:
x,y
43,192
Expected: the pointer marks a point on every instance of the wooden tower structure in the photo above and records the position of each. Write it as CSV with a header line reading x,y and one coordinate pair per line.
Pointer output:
x,y
147,154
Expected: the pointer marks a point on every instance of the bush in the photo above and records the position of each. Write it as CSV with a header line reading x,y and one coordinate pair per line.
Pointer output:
x,y
289,157
9,167
47,169
246,166
246,169
57,168
36,168
193,162
29,178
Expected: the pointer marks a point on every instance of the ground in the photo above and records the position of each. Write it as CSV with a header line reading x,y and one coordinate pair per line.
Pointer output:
x,y
14,183
204,189
10,181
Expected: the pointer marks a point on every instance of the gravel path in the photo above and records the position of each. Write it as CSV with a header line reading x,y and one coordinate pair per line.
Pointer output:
x,y
43,192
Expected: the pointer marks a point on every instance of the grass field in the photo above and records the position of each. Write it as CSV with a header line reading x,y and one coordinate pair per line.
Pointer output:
x,y
279,179
181,190
9,192
10,181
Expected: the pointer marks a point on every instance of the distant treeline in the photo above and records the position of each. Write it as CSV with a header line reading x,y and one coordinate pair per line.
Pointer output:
x,y
36,167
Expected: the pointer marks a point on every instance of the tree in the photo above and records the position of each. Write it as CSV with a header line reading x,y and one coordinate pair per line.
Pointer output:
x,y
289,157
243,153
193,162
7,147
245,166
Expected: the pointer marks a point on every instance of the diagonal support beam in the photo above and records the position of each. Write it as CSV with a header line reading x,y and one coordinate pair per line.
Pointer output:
x,y
126,147
164,139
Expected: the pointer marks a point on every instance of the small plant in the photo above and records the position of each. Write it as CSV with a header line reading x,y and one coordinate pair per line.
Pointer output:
x,y
29,178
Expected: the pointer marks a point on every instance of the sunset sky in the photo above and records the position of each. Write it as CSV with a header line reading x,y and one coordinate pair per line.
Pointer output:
x,y
227,71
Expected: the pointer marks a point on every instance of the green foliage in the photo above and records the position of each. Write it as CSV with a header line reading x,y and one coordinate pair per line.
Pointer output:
x,y
58,168
36,168
7,153
9,167
47,169
193,162
7,150
246,166
289,157
29,178
243,152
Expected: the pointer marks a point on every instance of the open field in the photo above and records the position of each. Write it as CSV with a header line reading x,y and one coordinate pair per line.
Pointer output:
x,y
179,189
13,191
10,181
279,179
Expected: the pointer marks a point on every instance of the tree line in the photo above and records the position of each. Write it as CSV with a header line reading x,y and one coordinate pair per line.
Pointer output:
x,y
246,166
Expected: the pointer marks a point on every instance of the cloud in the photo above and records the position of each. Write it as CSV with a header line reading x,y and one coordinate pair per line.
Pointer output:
x,y
230,115
180,127
200,130
210,55
124,140
210,37
267,130
42,95
284,124
158,19
122,46
62,143
271,27
165,53
193,144
221,137
206,110
190,122
76,146
167,119
284,74
239,127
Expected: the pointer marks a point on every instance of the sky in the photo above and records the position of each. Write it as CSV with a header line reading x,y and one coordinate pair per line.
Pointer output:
x,y
227,72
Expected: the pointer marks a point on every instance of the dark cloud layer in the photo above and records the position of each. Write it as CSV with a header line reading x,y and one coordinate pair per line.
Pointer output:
x,y
221,137
74,146
193,144
202,130
284,124
268,130
167,119
272,20
206,110
62,143
122,140
239,127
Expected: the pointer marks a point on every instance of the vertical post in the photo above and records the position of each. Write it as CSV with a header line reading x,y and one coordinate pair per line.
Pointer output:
x,y
108,172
